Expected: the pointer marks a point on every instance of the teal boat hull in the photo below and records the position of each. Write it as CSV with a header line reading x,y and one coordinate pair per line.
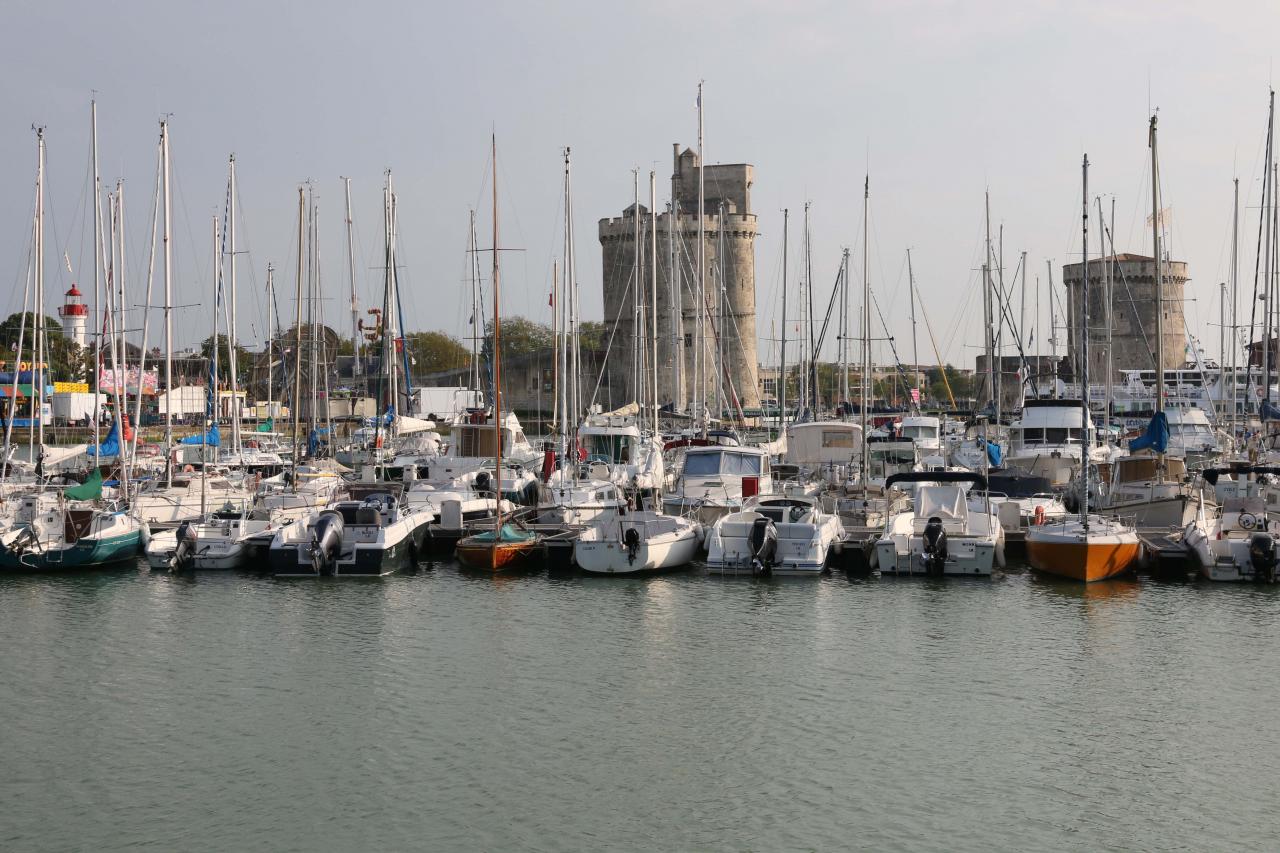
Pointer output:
x,y
85,554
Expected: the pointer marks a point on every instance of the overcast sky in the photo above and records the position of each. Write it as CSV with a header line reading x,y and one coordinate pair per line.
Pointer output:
x,y
938,100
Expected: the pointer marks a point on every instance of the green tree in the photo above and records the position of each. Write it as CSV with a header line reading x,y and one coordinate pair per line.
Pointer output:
x,y
66,359
244,359
591,335
436,351
520,336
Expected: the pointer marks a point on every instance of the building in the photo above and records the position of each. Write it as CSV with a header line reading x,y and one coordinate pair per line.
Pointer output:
x,y
1039,371
75,317
1133,314
528,383
687,354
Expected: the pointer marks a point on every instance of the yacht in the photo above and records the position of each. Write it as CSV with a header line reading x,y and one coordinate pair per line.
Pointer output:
x,y
1047,438
631,459
714,480
946,532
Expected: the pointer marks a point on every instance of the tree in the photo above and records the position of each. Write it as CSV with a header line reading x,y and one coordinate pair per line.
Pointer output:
x,y
591,335
244,359
433,352
520,337
66,358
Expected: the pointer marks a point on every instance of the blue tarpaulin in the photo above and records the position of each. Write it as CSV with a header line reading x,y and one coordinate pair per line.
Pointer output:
x,y
1156,437
211,438
994,454
110,445
1269,411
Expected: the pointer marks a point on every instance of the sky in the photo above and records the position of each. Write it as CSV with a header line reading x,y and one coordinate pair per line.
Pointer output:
x,y
939,102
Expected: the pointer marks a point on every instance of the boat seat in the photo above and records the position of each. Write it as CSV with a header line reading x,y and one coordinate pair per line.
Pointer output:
x,y
795,531
368,516
736,529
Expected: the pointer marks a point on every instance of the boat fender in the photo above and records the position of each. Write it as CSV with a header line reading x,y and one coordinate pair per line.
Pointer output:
x,y
935,546
764,546
1039,519
1262,556
631,539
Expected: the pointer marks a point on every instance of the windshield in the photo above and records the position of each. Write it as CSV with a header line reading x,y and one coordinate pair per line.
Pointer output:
x,y
919,432
613,449
705,464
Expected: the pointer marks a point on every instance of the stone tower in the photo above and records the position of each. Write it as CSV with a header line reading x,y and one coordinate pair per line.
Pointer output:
x,y
1133,313
728,324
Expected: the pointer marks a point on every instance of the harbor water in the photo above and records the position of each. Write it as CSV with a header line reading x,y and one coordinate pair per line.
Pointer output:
x,y
443,711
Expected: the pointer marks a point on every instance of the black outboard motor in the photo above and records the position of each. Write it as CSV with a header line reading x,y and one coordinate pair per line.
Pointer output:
x,y
483,483
764,546
530,494
326,542
1262,556
186,550
935,547
631,539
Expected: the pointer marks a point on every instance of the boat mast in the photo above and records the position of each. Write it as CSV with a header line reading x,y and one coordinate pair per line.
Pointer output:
x,y
1159,261
1053,328
674,295
987,308
98,266
297,338
1232,390
121,397
782,371
915,352
700,355
718,329
844,328
38,321
1106,308
271,327
497,361
653,295
168,303
1083,320
637,363
351,276
212,418
233,342
477,322
866,331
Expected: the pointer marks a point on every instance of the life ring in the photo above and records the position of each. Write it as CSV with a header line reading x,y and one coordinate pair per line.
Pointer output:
x,y
1039,516
23,367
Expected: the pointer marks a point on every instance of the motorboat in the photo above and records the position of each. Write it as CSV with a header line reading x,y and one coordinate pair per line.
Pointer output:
x,y
228,538
581,496
715,480
1140,490
187,498
781,534
1029,498
638,543
1047,439
1193,437
614,445
1238,541
371,535
946,532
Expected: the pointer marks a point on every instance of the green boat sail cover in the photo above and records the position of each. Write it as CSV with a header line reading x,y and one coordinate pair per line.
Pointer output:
x,y
89,490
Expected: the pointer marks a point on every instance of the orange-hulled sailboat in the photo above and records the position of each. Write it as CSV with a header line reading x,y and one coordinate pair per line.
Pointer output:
x,y
506,546
1089,547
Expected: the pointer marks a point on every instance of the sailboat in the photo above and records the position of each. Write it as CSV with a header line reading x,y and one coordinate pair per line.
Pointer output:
x,y
1085,547
506,546
72,530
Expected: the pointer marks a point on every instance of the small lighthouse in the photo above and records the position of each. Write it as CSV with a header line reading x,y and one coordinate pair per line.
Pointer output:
x,y
74,316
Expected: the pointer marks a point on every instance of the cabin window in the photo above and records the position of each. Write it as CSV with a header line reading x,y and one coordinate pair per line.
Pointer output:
x,y
614,448
732,464
837,438
919,432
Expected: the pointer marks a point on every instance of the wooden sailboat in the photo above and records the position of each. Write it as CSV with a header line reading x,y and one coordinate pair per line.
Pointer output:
x,y
506,546
1087,547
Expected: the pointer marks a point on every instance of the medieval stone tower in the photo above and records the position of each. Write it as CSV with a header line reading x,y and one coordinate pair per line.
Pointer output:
x,y
726,330
1133,313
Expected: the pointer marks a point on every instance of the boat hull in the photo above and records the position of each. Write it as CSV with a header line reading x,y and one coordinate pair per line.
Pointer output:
x,y
611,557
1086,561
488,556
84,554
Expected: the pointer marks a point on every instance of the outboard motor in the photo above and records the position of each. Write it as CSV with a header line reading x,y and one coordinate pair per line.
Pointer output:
x,y
935,547
631,539
764,546
529,495
483,483
326,542
186,550
1262,556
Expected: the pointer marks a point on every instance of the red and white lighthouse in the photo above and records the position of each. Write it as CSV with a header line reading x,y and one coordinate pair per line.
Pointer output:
x,y
74,316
